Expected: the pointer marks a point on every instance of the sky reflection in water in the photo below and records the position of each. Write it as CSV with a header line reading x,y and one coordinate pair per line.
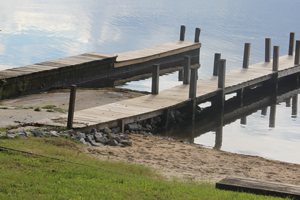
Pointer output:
x,y
34,31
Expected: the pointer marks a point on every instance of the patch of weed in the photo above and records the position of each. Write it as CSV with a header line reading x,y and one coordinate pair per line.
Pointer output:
x,y
37,109
49,107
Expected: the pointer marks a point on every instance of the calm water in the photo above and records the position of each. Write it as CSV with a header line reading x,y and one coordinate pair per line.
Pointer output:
x,y
34,31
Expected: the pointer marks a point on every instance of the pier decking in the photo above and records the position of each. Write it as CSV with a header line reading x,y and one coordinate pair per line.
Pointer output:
x,y
154,105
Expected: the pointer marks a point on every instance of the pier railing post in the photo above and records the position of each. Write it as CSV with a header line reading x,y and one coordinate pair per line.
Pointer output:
x,y
246,55
71,106
216,63
155,79
186,69
268,50
182,32
275,58
193,90
291,44
297,53
197,34
221,81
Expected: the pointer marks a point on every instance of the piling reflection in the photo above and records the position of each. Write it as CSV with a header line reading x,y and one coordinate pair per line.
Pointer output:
x,y
294,106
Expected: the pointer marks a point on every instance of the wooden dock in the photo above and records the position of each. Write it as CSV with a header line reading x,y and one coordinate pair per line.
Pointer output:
x,y
93,66
259,187
124,112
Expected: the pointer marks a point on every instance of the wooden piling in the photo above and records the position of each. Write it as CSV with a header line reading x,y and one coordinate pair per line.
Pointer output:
x,y
197,34
193,91
182,32
272,116
268,50
193,84
221,73
275,58
180,75
291,45
264,111
244,120
155,79
121,124
71,107
216,63
246,55
186,69
297,53
294,106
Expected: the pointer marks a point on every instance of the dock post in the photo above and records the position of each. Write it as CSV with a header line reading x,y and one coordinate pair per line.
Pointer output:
x,y
221,80
71,106
288,102
268,50
244,120
246,55
180,75
272,116
197,34
186,69
297,53
294,106
193,90
216,63
182,32
155,79
121,124
275,58
264,111
291,45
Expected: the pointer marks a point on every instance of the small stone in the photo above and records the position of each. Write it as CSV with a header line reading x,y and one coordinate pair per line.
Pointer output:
x,y
112,142
94,144
54,133
126,143
80,135
103,140
115,130
91,136
134,127
11,135
93,131
88,138
107,130
82,141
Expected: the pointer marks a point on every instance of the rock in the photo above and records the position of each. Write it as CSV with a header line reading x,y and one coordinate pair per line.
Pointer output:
x,y
115,137
126,143
116,130
1,134
102,139
134,127
123,136
106,130
112,142
93,131
98,135
11,135
37,133
64,135
83,141
54,133
80,135
94,144
157,119
89,138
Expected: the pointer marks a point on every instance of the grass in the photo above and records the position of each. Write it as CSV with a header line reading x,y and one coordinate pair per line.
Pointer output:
x,y
4,108
52,108
29,177
37,109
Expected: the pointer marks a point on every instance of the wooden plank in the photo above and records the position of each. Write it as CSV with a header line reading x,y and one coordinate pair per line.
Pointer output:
x,y
259,187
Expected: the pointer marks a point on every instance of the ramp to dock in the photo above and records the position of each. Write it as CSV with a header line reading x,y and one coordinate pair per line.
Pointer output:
x,y
154,105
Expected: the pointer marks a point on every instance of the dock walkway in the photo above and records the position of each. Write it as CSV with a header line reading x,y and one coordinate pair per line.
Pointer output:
x,y
148,106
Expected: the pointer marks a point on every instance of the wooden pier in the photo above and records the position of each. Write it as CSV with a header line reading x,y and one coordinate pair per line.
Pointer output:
x,y
128,111
93,66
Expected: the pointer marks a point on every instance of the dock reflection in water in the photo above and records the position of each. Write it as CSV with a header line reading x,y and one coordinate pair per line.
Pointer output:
x,y
260,125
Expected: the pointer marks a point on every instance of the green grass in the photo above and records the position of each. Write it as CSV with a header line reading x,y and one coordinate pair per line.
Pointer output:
x,y
49,107
4,108
37,109
29,177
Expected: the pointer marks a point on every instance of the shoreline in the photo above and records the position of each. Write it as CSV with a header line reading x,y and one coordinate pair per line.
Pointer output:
x,y
171,158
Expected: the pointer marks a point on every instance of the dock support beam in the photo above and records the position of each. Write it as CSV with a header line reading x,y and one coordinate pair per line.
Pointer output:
x,y
216,63
186,69
71,106
268,50
193,90
297,53
121,124
155,79
182,32
291,45
246,55
275,58
197,34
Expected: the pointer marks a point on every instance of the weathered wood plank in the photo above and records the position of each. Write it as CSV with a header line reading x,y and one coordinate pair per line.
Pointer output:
x,y
259,187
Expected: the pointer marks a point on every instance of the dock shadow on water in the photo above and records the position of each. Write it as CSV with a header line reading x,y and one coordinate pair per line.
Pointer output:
x,y
261,123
